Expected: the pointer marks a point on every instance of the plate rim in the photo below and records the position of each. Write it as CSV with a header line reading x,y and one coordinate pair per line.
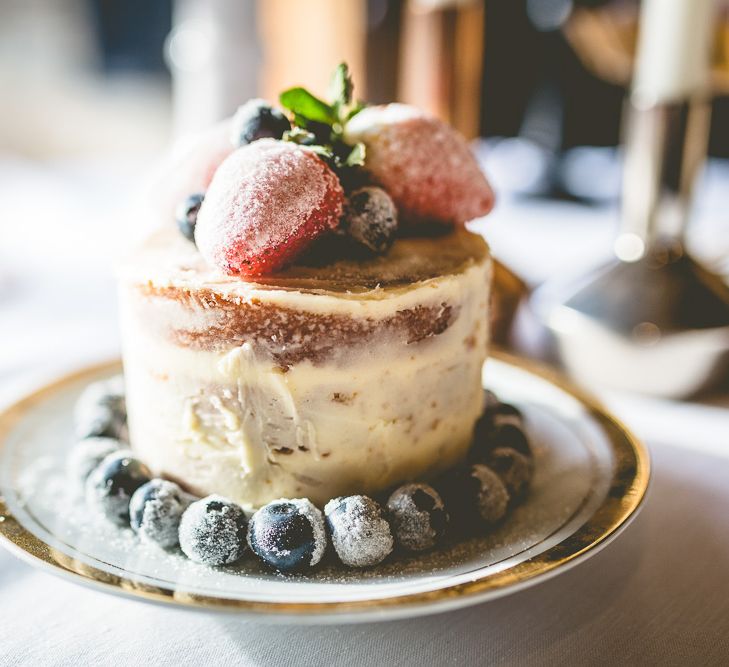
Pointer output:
x,y
628,487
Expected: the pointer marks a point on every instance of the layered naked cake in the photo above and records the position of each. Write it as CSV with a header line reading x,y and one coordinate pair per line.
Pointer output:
x,y
316,381
317,325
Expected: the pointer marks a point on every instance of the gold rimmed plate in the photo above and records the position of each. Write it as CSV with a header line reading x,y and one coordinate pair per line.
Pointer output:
x,y
590,478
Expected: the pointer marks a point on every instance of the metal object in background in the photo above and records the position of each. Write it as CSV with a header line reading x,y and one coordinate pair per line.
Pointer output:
x,y
655,320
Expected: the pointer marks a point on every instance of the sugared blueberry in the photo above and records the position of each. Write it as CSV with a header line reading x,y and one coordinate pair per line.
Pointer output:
x,y
475,497
360,534
514,469
500,414
155,511
213,531
257,119
101,410
418,516
288,534
111,485
500,425
87,454
370,218
490,400
511,436
505,413
186,215
504,435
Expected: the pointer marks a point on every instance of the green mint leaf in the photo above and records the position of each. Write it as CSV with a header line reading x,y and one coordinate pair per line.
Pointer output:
x,y
302,103
340,87
300,121
357,156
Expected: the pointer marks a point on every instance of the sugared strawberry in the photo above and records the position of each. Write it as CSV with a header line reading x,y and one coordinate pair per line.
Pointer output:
x,y
265,204
190,168
425,165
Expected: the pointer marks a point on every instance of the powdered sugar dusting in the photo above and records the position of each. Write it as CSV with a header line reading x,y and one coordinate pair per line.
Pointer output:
x,y
265,203
424,164
514,469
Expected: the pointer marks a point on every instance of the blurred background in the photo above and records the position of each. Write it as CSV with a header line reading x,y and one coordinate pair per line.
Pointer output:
x,y
95,92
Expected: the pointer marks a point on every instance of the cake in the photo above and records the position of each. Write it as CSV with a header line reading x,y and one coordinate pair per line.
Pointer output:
x,y
294,349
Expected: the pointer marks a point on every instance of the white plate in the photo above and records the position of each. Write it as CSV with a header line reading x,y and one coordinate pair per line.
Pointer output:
x,y
590,478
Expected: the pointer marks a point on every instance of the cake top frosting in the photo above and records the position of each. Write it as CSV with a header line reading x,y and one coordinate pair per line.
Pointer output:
x,y
167,260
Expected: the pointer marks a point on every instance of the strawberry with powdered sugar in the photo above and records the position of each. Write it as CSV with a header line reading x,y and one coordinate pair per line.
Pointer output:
x,y
266,203
425,165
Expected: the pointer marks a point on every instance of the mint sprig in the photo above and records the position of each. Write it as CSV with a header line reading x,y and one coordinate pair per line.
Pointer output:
x,y
341,87
302,103
320,125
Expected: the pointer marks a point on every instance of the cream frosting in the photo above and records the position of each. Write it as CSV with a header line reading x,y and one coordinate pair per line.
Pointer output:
x,y
232,421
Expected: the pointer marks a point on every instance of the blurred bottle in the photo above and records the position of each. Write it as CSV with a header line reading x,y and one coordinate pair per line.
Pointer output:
x,y
302,43
441,65
214,55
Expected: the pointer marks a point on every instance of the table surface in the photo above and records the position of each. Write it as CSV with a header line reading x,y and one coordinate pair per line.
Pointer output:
x,y
658,595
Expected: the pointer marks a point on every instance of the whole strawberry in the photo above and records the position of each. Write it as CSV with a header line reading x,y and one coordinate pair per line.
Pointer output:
x,y
425,165
267,201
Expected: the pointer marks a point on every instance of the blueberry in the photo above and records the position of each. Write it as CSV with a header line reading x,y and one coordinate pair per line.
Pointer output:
x,y
288,534
475,497
111,485
500,425
101,410
360,534
186,215
87,454
502,435
514,468
418,516
370,219
505,409
490,400
323,135
155,511
257,119
503,413
513,437
213,531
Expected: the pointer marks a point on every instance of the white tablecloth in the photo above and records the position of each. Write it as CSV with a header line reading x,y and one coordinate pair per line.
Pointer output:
x,y
658,595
